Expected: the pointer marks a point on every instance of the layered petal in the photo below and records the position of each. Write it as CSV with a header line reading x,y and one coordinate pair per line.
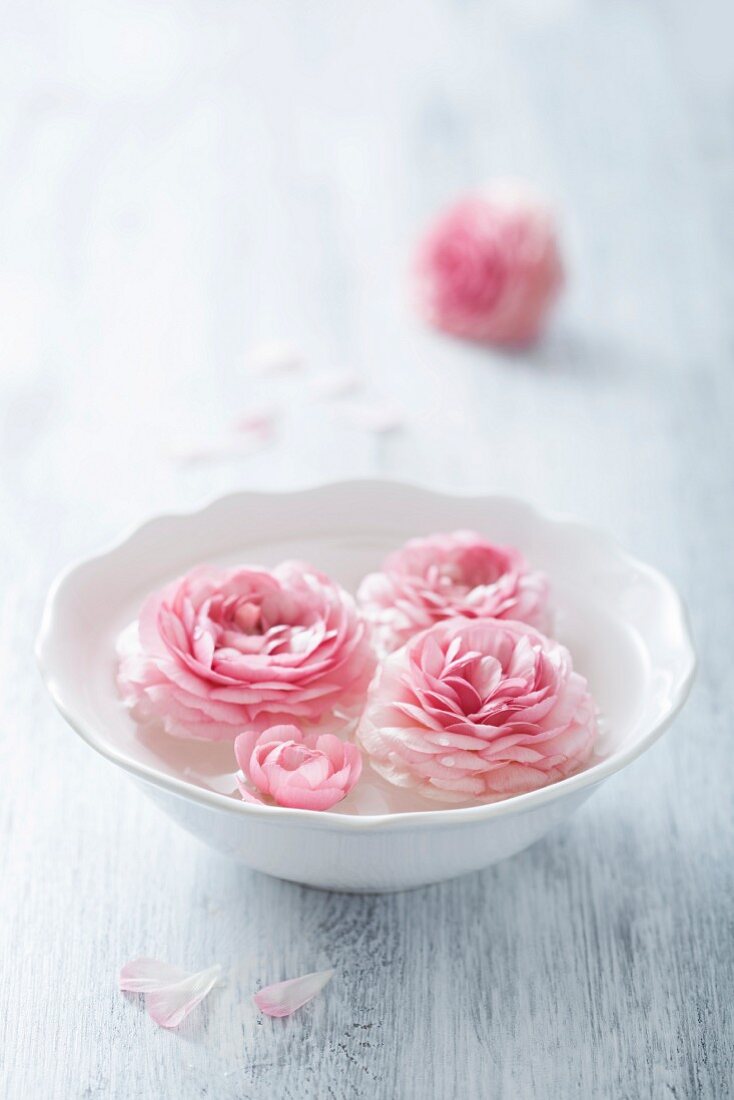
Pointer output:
x,y
432,579
478,708
143,975
170,992
170,1005
284,767
219,651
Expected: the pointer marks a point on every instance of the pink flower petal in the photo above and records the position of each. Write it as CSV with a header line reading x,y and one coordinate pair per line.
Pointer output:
x,y
143,975
170,993
285,997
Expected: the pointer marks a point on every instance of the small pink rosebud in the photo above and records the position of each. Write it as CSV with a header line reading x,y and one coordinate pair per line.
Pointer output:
x,y
305,773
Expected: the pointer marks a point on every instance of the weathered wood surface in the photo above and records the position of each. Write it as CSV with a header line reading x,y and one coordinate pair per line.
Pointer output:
x,y
179,181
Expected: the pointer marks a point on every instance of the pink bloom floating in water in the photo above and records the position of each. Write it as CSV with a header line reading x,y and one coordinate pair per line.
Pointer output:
x,y
305,773
444,576
283,998
477,708
170,992
219,651
490,268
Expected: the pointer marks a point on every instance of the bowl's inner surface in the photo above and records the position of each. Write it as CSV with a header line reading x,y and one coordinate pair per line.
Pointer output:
x,y
605,648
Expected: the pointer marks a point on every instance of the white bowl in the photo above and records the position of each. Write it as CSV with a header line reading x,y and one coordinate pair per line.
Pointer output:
x,y
623,622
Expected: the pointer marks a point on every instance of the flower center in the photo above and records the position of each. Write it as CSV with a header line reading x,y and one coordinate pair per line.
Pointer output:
x,y
248,617
294,756
446,576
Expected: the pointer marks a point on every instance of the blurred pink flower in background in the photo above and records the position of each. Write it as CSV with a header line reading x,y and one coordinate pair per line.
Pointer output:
x,y
442,576
489,268
472,709
311,773
218,651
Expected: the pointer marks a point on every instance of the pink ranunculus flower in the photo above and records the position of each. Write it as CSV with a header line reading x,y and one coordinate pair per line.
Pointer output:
x,y
442,576
222,650
477,709
306,773
490,268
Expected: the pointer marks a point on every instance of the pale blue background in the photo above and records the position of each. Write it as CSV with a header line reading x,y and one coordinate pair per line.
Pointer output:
x,y
180,180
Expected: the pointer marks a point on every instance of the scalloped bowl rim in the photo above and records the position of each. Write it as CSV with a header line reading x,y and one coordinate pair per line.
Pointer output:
x,y
453,816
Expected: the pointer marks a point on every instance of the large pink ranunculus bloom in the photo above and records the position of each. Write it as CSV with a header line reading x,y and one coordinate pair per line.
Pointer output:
x,y
305,773
474,709
489,268
442,576
219,651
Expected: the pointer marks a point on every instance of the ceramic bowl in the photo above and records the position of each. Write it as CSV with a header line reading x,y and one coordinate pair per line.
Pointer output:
x,y
623,622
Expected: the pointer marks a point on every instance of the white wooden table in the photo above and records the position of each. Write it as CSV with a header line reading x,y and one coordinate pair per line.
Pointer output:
x,y
182,180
